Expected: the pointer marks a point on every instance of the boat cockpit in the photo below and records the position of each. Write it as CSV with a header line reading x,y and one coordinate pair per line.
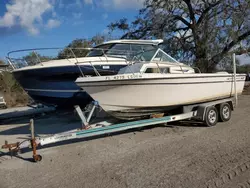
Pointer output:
x,y
155,61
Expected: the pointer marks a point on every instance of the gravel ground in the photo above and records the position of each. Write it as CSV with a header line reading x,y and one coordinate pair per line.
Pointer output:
x,y
183,155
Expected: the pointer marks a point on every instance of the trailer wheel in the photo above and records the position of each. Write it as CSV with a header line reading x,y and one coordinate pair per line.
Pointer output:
x,y
225,112
211,116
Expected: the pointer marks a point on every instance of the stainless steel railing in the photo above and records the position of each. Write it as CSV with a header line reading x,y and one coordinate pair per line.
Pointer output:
x,y
130,57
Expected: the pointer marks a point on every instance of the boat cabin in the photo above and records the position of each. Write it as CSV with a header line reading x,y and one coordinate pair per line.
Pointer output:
x,y
156,61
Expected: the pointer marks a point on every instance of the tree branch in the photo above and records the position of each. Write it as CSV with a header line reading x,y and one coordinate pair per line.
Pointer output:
x,y
228,47
132,33
207,10
191,11
181,28
177,17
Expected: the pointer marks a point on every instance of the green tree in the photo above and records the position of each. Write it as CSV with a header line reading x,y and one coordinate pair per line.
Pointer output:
x,y
244,69
75,48
227,65
98,39
199,31
78,46
33,58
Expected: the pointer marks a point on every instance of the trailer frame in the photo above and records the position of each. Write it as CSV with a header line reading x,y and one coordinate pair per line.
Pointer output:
x,y
197,112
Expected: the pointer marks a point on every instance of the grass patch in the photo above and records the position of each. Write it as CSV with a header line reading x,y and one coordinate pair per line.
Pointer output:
x,y
13,93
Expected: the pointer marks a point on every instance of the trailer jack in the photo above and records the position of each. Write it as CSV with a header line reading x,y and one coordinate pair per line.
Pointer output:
x,y
14,148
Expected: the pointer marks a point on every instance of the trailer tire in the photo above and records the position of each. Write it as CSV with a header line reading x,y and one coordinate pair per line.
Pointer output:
x,y
211,116
225,112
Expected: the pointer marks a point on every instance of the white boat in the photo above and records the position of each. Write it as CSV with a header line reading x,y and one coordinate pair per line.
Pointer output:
x,y
155,83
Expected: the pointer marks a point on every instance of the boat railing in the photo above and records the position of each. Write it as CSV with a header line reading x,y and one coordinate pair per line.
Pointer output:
x,y
125,56
133,58
28,57
197,68
35,56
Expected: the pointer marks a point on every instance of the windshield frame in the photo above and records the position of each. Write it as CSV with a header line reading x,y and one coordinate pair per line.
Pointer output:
x,y
140,54
126,52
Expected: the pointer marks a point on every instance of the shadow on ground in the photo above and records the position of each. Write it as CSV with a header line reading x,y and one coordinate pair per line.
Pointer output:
x,y
46,124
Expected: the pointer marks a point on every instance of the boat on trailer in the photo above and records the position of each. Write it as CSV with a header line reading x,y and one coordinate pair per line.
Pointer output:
x,y
156,83
207,112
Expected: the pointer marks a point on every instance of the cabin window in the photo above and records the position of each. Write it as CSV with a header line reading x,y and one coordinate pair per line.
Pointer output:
x,y
157,70
136,47
128,50
119,49
98,51
141,47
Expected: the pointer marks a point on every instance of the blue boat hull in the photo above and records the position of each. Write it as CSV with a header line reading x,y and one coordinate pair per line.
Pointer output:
x,y
56,85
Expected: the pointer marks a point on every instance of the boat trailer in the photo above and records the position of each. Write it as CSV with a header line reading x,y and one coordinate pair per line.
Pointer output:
x,y
209,113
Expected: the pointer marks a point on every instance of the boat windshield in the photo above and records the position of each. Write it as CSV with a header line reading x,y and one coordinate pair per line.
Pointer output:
x,y
155,55
124,50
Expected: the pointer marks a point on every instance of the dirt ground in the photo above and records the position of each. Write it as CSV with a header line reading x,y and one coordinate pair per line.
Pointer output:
x,y
182,155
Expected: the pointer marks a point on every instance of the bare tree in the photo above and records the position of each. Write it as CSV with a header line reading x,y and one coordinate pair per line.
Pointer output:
x,y
201,31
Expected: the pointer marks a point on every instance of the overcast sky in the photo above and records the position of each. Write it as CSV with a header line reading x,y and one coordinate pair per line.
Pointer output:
x,y
243,59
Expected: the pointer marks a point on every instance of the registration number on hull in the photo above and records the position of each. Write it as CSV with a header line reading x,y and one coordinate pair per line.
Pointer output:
x,y
123,77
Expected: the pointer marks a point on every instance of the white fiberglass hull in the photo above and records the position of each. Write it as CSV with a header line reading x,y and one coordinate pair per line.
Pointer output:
x,y
148,93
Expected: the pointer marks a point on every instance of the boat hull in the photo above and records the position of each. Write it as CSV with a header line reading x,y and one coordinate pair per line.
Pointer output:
x,y
56,85
130,95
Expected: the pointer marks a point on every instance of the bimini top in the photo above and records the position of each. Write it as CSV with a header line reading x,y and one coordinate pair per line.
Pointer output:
x,y
153,42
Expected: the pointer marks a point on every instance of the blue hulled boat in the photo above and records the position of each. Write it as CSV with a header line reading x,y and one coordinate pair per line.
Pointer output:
x,y
53,82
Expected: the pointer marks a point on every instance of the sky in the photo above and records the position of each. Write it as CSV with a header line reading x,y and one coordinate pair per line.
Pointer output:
x,y
28,24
